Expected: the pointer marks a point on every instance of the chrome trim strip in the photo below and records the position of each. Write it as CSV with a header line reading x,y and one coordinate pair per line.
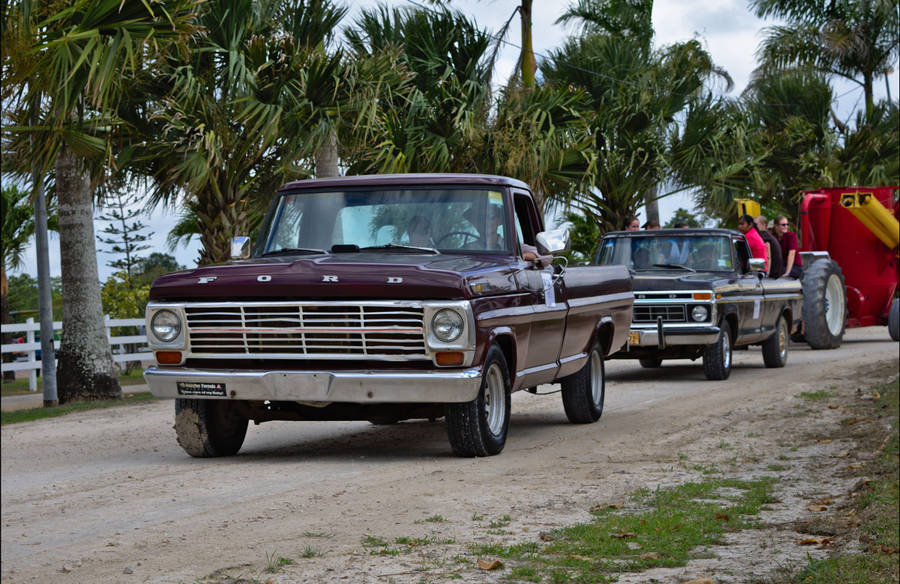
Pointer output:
x,y
576,357
537,369
578,302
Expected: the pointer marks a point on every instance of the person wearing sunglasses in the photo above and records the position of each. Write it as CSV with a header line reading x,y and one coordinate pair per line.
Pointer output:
x,y
793,265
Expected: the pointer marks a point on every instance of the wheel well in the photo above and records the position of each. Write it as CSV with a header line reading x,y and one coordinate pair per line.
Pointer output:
x,y
731,319
508,346
604,336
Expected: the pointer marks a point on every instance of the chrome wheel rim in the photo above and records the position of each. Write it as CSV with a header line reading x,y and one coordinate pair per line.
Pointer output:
x,y
596,378
834,304
782,340
726,352
494,399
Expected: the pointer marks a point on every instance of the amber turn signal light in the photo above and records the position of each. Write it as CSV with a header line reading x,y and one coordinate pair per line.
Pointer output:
x,y
168,357
702,295
449,358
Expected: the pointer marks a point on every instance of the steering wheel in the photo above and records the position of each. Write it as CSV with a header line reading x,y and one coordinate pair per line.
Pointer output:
x,y
465,234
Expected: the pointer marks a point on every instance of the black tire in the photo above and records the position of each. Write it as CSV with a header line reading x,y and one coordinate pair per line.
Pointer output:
x,y
718,356
583,391
207,428
479,427
650,363
775,348
894,320
824,305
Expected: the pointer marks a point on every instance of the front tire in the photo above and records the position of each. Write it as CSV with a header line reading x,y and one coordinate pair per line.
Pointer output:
x,y
824,305
717,357
775,348
479,427
207,428
583,391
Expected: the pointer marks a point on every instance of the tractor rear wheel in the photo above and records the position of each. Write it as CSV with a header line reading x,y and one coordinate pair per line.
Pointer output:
x,y
824,305
894,320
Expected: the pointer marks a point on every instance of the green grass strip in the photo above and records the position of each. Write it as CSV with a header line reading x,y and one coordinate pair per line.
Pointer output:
x,y
671,527
32,414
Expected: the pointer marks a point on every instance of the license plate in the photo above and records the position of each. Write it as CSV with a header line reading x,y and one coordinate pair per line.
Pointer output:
x,y
200,388
634,338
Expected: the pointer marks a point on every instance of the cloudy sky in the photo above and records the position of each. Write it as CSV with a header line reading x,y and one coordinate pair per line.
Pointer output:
x,y
728,30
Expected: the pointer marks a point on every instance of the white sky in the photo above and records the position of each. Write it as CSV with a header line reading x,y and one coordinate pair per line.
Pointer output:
x,y
728,30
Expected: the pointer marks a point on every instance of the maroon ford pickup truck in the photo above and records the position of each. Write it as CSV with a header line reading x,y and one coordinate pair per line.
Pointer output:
x,y
385,298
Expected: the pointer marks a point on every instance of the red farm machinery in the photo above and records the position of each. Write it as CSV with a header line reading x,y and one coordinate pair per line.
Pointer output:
x,y
849,245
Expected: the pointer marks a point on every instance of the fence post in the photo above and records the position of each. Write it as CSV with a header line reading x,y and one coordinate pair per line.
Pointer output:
x,y
29,338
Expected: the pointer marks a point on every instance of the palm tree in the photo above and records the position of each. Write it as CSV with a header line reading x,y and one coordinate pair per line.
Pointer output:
x,y
432,123
66,65
856,40
638,97
251,104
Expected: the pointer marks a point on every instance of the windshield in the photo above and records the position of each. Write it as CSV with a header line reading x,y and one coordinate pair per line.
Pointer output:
x,y
701,253
443,219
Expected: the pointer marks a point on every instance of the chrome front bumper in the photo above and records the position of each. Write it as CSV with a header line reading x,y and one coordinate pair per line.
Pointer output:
x,y
698,335
316,386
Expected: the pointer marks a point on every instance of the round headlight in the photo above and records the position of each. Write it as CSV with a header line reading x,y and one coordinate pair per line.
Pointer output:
x,y
166,326
699,313
447,325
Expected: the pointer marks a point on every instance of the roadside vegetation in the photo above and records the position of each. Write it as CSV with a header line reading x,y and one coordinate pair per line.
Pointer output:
x,y
874,513
20,386
32,414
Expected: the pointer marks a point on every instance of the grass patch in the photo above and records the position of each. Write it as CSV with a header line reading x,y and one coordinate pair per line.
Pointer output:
x,y
276,563
32,414
20,386
674,526
816,395
877,507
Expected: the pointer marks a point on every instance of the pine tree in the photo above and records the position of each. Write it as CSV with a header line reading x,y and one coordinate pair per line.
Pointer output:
x,y
124,234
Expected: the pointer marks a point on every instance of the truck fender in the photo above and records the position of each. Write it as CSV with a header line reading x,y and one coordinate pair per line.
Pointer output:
x,y
604,332
506,340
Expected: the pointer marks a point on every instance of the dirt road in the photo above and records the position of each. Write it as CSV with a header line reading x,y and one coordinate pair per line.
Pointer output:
x,y
108,496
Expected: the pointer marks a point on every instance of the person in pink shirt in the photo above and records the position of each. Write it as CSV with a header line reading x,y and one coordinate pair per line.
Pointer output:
x,y
757,245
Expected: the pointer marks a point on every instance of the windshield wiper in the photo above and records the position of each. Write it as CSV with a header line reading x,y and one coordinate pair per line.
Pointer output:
x,y
293,251
397,247
675,266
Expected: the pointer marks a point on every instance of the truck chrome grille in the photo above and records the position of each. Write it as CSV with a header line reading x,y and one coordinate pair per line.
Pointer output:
x,y
669,312
304,331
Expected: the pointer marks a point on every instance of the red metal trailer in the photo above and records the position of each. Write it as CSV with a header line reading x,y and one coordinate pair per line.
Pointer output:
x,y
849,241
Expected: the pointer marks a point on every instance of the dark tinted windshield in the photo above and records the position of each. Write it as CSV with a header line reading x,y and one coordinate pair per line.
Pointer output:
x,y
701,253
445,219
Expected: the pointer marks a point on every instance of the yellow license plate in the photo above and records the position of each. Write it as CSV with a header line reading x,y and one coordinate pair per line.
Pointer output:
x,y
634,338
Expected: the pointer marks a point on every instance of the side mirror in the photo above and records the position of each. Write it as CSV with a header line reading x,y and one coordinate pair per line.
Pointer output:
x,y
553,242
240,247
757,265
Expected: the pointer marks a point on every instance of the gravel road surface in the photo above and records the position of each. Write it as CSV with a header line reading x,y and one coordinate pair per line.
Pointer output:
x,y
108,495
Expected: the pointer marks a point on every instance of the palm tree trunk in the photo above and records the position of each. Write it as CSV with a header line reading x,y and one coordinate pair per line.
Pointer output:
x,y
528,64
85,369
652,204
327,157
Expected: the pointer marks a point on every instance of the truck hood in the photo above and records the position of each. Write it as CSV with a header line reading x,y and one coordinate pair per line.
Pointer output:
x,y
352,275
658,280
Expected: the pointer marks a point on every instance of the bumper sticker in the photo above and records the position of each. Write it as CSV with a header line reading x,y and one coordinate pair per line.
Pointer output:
x,y
200,388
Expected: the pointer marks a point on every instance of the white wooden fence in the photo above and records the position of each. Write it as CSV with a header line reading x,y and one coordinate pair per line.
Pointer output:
x,y
27,352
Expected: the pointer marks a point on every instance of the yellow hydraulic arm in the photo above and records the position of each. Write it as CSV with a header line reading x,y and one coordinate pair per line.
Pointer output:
x,y
873,215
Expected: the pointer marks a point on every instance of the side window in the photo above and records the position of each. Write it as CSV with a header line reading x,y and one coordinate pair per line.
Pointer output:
x,y
742,254
525,222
